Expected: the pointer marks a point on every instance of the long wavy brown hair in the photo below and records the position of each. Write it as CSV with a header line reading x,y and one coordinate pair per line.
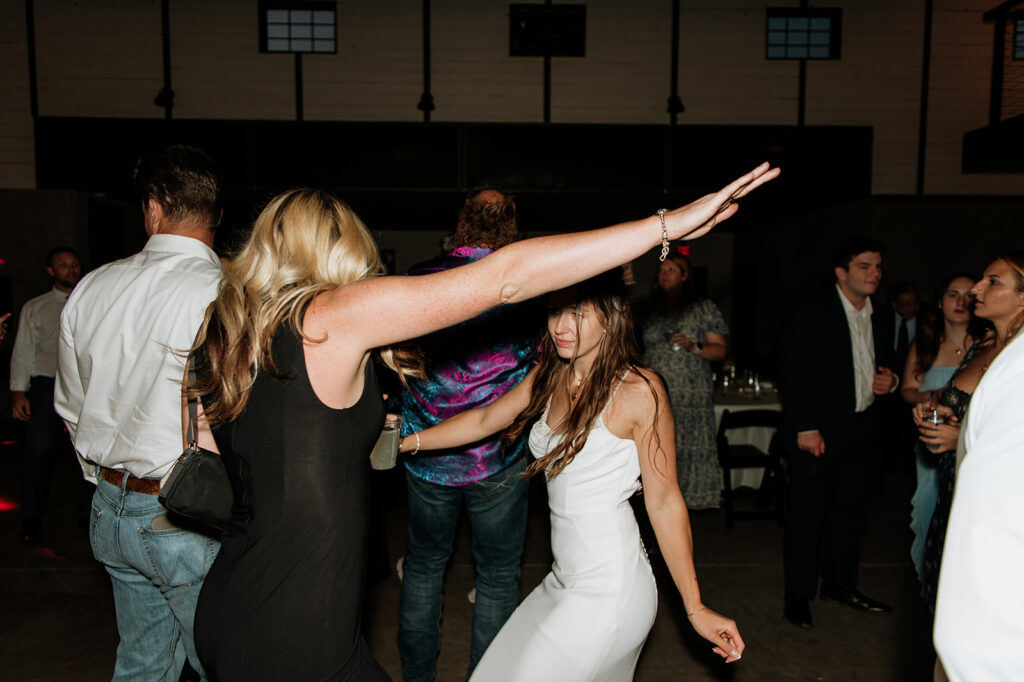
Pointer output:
x,y
931,331
303,243
617,354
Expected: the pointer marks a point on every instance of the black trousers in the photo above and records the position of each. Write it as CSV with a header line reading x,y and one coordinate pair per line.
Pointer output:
x,y
828,500
45,443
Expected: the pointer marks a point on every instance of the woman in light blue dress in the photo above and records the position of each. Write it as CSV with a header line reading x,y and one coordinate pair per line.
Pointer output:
x,y
946,330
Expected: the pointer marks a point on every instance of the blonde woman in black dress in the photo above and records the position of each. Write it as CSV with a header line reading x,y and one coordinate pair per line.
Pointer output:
x,y
287,385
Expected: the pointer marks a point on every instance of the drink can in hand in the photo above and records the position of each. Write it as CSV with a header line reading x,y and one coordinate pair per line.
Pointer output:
x,y
935,418
385,453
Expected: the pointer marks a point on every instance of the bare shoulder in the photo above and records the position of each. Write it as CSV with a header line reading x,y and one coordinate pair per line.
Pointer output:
x,y
637,396
643,383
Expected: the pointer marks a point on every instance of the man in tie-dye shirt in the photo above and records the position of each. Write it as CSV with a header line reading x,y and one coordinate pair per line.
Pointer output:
x,y
468,365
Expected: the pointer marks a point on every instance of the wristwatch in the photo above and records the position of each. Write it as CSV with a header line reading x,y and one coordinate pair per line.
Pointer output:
x,y
699,347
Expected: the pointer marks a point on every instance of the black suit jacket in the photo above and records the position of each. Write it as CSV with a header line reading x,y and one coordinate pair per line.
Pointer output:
x,y
883,325
818,390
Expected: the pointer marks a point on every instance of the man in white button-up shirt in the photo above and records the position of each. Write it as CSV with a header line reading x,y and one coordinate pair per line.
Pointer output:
x,y
835,361
119,392
33,367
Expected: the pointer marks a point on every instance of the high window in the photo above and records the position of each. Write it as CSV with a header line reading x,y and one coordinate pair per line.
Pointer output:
x,y
810,33
298,27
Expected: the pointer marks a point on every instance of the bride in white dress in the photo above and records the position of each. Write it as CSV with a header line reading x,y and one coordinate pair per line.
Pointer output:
x,y
601,425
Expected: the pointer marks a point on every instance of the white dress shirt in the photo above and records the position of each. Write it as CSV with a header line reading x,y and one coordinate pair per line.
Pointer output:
x,y
979,628
863,344
119,370
35,346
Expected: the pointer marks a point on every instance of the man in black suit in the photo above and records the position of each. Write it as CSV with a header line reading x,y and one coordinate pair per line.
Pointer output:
x,y
835,360
897,424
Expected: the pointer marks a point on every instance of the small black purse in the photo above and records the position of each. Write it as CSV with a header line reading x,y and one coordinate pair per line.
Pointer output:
x,y
197,487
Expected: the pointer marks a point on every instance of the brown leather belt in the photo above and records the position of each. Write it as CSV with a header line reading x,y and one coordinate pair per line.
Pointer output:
x,y
149,486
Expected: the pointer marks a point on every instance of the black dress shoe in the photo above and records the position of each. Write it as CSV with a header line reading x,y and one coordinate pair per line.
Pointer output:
x,y
855,600
797,610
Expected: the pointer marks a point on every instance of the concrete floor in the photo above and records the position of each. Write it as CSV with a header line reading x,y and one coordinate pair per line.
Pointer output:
x,y
58,619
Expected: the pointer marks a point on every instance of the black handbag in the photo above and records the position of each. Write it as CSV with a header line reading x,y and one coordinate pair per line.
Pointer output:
x,y
197,487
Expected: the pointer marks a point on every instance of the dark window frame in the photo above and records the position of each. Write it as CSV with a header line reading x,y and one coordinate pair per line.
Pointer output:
x,y
266,6
793,49
1018,36
557,30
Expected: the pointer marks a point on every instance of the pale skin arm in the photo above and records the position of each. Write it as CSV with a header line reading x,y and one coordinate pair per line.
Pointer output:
x,y
473,425
669,516
911,391
715,347
380,311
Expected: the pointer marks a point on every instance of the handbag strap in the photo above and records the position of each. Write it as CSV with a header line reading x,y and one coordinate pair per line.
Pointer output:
x,y
192,430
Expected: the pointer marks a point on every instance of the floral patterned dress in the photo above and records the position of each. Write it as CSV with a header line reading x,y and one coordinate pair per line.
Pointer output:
x,y
957,401
690,389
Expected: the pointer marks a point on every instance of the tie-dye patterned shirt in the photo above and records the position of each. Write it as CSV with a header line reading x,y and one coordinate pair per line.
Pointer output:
x,y
469,365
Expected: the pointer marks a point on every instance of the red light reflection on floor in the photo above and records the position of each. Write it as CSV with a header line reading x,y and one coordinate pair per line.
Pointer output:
x,y
7,505
50,554
8,442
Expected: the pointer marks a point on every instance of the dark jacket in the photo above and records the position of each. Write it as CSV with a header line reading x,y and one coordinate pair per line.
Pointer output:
x,y
816,357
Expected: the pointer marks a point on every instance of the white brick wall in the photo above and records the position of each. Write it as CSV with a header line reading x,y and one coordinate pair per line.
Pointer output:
x,y
17,149
103,58
99,58
960,79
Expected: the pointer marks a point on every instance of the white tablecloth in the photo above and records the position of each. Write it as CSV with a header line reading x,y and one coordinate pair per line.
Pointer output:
x,y
758,436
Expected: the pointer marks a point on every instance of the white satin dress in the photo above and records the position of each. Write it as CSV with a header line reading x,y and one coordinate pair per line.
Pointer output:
x,y
590,616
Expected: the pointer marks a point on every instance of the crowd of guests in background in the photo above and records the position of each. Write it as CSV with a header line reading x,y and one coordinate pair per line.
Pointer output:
x,y
288,337
284,360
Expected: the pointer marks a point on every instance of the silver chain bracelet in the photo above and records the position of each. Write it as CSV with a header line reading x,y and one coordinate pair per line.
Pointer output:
x,y
664,235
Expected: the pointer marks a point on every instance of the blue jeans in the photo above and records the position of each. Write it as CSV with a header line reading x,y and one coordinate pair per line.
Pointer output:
x,y
497,518
156,575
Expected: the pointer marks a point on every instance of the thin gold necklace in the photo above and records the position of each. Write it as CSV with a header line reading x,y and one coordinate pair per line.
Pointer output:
x,y
574,394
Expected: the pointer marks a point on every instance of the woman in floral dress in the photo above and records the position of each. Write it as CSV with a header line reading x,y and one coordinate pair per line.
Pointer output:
x,y
682,336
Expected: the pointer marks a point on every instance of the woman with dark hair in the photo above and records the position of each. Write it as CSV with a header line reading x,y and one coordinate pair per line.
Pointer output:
x,y
682,336
947,329
998,298
601,424
290,398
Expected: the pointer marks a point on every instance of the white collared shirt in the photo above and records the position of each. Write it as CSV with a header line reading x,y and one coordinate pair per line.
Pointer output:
x,y
978,624
118,369
35,346
863,345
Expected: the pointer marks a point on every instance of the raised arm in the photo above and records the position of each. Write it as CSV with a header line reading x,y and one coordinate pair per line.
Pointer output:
x,y
380,311
669,516
473,425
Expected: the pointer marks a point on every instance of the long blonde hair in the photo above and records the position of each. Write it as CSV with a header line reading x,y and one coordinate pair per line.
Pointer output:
x,y
617,354
303,243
